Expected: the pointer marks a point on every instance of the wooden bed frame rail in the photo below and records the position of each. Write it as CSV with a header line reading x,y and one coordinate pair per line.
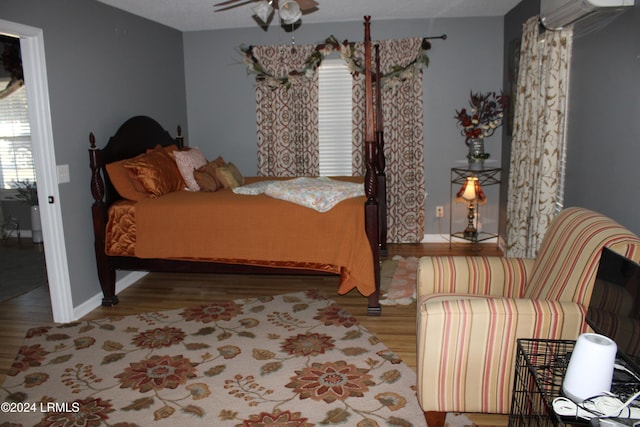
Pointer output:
x,y
148,134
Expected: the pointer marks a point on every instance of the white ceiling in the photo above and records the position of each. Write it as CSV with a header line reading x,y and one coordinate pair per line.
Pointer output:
x,y
195,15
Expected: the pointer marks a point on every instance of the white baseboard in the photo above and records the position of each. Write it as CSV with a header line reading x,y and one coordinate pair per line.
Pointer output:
x,y
95,301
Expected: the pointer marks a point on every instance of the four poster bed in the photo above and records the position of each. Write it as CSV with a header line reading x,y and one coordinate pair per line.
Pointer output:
x,y
175,230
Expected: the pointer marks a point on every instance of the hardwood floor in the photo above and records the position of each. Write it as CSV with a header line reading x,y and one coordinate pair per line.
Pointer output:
x,y
163,291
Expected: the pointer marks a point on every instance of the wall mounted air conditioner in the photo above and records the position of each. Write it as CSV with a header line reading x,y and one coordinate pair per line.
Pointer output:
x,y
555,14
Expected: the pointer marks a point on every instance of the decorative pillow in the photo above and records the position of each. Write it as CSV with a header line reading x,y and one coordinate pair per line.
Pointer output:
x,y
254,188
236,173
219,161
188,162
225,176
205,176
320,194
157,172
125,182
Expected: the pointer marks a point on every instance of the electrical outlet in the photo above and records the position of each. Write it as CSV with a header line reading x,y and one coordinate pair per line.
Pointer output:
x,y
439,211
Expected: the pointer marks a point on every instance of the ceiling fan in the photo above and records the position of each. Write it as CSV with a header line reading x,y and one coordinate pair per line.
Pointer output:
x,y
289,11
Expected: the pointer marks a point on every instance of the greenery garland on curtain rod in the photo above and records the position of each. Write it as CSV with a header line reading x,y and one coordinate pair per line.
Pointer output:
x,y
331,44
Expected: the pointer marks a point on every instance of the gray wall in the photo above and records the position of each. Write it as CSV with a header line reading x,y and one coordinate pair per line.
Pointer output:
x,y
103,66
221,98
604,115
604,109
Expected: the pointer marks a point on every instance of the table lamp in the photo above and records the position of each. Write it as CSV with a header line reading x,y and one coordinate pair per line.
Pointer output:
x,y
472,194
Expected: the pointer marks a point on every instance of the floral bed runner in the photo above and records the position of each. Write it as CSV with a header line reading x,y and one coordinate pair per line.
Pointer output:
x,y
320,194
295,360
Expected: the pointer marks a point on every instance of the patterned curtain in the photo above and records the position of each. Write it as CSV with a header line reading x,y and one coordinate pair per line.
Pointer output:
x,y
401,63
287,112
287,116
536,179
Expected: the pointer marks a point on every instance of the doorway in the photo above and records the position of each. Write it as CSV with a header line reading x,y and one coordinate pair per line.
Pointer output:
x,y
35,75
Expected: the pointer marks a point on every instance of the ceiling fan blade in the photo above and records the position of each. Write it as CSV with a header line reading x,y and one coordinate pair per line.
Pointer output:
x,y
224,3
307,4
233,6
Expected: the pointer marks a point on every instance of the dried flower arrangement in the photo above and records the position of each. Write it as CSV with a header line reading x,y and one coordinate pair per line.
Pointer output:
x,y
485,115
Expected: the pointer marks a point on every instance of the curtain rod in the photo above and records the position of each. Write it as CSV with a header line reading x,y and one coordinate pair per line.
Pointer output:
x,y
426,44
443,37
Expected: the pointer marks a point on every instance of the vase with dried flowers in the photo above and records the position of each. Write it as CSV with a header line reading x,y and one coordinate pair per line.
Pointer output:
x,y
479,122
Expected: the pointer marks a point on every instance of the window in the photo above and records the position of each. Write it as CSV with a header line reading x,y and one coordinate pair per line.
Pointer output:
x,y
334,117
16,155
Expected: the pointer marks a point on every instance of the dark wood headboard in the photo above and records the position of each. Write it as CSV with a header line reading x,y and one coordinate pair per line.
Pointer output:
x,y
135,136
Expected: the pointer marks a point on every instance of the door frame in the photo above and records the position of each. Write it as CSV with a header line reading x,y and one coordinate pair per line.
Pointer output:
x,y
35,76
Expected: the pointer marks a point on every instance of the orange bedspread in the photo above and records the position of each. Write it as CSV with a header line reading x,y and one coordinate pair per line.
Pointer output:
x,y
228,226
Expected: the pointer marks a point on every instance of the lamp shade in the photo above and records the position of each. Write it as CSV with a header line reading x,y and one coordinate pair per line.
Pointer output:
x,y
590,369
471,191
289,12
262,10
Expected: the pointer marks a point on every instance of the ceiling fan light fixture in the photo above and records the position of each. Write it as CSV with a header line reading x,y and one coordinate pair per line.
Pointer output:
x,y
290,12
263,10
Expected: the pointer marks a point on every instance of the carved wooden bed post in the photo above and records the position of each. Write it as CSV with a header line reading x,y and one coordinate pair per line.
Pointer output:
x,y
371,179
180,138
380,160
106,273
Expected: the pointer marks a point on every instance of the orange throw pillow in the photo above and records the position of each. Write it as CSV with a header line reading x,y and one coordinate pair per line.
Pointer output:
x,y
125,182
157,172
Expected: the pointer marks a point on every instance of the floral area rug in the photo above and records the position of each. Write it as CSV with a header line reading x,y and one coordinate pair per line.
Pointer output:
x,y
398,279
294,360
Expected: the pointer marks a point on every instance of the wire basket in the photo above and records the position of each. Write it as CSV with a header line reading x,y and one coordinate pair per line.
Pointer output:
x,y
539,372
540,368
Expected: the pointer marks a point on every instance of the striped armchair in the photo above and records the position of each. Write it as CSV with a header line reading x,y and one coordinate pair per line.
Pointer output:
x,y
472,309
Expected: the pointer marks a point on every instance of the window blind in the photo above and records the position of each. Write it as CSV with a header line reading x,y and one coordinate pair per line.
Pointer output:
x,y
16,154
334,118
